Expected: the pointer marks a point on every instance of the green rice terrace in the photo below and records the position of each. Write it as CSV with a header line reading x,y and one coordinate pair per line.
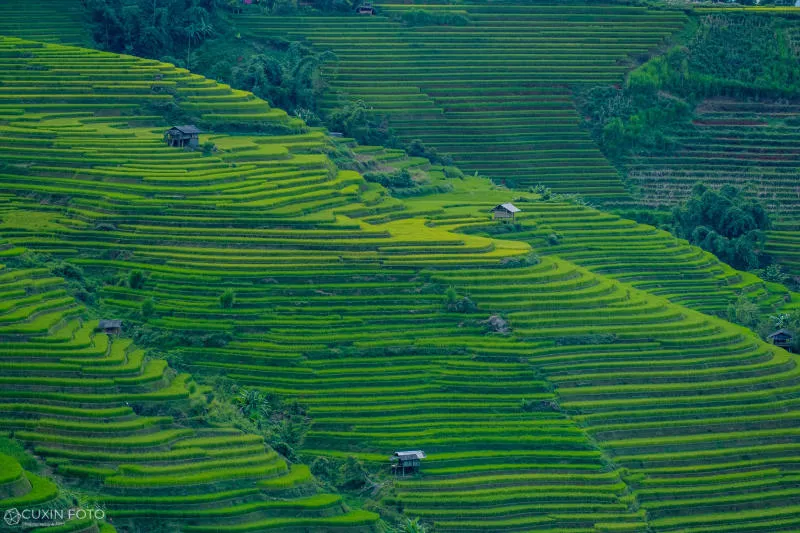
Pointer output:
x,y
730,141
743,125
496,94
567,372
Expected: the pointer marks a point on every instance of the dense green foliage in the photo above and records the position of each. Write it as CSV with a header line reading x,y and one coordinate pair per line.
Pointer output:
x,y
730,54
710,109
745,311
356,119
198,34
154,28
286,77
400,179
727,55
724,223
631,119
136,279
282,423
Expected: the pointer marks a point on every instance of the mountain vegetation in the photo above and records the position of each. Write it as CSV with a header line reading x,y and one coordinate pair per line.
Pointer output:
x,y
715,108
724,223
296,306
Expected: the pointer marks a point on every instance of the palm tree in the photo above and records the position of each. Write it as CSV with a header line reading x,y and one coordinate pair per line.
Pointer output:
x,y
413,526
253,404
197,30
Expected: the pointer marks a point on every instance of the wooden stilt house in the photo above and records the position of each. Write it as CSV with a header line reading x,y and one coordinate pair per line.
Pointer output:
x,y
407,462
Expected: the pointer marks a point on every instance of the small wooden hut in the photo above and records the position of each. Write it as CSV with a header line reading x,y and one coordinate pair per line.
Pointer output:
x,y
505,211
110,327
407,461
182,136
782,338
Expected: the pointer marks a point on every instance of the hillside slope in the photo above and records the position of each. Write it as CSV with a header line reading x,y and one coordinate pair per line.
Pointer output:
x,y
456,99
721,108
21,490
750,144
495,92
55,21
597,406
78,398
493,86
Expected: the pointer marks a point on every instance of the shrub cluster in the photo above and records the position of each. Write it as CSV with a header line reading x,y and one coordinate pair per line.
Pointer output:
x,y
725,224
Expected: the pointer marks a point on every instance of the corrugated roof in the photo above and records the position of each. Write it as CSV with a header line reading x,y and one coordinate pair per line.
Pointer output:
x,y
419,454
511,208
188,129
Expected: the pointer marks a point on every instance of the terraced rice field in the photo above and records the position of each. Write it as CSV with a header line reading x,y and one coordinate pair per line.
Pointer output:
x,y
640,255
63,79
750,144
607,407
21,490
495,94
77,398
784,242
746,143
53,21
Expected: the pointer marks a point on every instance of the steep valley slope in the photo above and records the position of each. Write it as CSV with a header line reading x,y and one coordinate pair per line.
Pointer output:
x,y
572,384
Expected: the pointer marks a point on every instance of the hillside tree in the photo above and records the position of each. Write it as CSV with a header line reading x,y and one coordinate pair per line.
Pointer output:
x,y
724,223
